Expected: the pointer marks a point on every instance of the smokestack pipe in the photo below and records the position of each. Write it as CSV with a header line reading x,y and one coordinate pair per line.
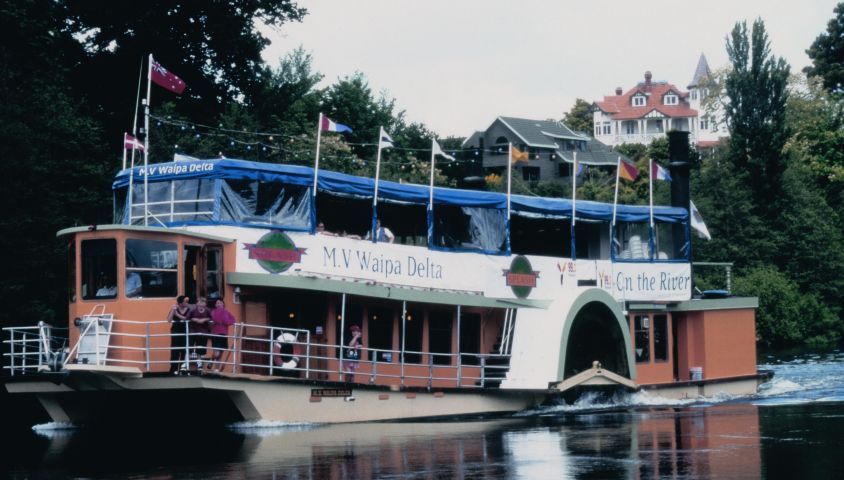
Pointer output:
x,y
678,155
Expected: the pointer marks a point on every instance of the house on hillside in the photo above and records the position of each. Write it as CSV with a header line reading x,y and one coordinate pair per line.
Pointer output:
x,y
651,108
551,146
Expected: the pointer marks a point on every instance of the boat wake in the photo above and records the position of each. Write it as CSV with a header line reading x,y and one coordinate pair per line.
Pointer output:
x,y
55,429
267,428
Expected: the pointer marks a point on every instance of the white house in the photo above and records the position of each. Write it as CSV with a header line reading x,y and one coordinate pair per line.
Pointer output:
x,y
650,109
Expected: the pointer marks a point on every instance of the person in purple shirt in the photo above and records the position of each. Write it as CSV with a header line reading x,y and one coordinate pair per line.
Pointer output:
x,y
198,328
221,319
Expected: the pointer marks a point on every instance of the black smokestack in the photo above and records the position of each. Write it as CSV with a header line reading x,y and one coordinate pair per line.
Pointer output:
x,y
678,155
678,165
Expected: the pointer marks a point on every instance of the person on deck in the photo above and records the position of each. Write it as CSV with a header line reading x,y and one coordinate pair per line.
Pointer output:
x,y
198,327
351,354
221,319
178,318
382,234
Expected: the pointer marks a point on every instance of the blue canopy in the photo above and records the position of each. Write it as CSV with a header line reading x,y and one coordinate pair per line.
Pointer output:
x,y
350,185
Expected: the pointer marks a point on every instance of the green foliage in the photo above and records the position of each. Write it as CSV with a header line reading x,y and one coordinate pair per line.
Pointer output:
x,y
756,87
579,118
827,51
787,317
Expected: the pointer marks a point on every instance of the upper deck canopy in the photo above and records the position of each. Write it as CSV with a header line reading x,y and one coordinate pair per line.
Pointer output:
x,y
360,187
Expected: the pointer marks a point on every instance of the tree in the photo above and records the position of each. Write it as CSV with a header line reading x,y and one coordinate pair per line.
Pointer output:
x,y
827,53
213,46
757,91
52,152
579,118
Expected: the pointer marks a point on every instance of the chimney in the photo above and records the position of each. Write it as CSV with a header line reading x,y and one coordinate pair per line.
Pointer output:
x,y
678,166
648,77
618,90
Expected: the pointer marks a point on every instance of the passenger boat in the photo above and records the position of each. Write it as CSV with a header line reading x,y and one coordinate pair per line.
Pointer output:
x,y
483,304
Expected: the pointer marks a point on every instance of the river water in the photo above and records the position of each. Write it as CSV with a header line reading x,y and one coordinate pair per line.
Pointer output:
x,y
794,428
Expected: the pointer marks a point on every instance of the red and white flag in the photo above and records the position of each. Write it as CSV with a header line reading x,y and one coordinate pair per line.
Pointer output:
x,y
131,143
166,79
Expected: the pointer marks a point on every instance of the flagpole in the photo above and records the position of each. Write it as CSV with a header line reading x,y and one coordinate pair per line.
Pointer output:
x,y
509,175
431,189
146,141
134,134
615,204
316,160
651,207
377,174
573,205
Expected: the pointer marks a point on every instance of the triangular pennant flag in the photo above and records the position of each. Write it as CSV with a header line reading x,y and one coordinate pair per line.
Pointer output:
x,y
439,151
385,141
697,221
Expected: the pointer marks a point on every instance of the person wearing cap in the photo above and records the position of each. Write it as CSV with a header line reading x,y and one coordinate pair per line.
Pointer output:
x,y
351,353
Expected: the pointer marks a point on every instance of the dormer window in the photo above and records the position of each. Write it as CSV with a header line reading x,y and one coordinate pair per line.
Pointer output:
x,y
639,101
670,99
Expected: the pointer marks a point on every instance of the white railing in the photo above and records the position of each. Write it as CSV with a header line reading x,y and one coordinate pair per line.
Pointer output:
x,y
253,349
35,348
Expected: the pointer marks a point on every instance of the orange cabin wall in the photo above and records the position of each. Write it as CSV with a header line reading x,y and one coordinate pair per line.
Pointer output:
x,y
723,342
140,309
654,371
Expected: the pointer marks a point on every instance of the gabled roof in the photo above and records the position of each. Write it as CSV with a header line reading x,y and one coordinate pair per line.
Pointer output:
x,y
702,71
596,153
539,133
620,107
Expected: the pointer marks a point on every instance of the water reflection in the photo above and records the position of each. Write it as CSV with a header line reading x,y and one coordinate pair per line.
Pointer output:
x,y
712,442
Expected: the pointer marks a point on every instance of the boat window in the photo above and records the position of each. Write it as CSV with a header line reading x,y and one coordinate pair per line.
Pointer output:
x,y
592,240
631,242
380,334
413,336
470,228
151,268
642,336
99,269
670,240
344,216
71,271
213,271
408,222
176,201
540,236
354,316
660,337
265,203
439,336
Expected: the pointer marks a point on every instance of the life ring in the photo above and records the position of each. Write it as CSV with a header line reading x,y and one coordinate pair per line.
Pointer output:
x,y
288,351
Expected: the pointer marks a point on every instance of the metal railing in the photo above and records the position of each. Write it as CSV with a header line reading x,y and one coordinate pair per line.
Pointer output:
x,y
250,349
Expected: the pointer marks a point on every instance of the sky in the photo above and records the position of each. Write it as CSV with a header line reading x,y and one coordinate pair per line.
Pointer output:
x,y
456,65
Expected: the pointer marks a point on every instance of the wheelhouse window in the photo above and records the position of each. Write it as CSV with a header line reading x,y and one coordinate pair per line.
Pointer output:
x,y
631,241
99,269
536,235
213,271
407,221
642,337
345,216
265,203
470,228
671,242
151,268
173,202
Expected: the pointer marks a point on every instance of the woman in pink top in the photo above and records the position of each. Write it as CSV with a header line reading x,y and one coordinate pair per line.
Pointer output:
x,y
221,319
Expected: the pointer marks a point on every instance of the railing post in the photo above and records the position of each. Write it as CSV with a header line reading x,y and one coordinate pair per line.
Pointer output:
x,y
308,355
146,348
12,350
238,338
374,370
483,371
459,357
186,361
97,337
430,369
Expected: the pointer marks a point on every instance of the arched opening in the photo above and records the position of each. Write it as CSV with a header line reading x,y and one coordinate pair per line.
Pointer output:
x,y
595,334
